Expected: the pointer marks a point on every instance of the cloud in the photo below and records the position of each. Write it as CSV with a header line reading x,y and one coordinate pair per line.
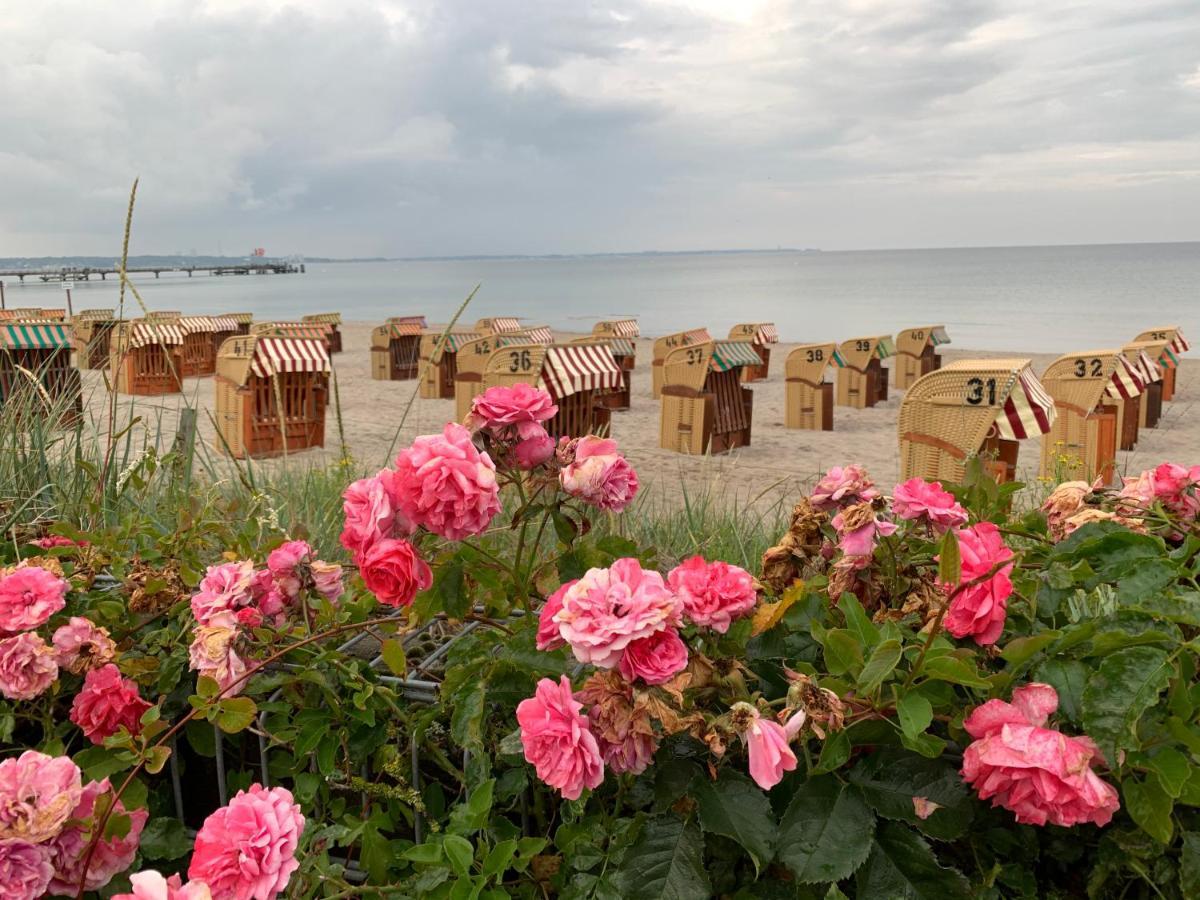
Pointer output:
x,y
363,127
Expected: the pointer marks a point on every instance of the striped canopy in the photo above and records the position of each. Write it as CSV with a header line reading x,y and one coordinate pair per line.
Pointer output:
x,y
1179,343
1125,383
728,355
539,334
697,336
144,334
224,323
1148,368
274,355
1027,411
571,368
30,336
310,330
54,313
157,315
938,336
838,360
885,348
403,329
456,339
505,323
620,346
328,318
95,314
419,321
767,334
197,324
625,328
241,318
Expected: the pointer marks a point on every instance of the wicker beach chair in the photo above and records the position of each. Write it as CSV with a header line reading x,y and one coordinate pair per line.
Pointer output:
x,y
473,358
199,347
808,397
1142,354
762,335
90,333
439,362
243,319
272,393
334,321
146,357
396,348
862,380
916,354
705,409
1174,346
619,335
35,362
665,345
971,407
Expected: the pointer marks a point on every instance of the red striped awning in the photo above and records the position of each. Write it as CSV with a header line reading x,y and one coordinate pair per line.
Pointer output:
x,y
224,323
419,321
1148,368
194,324
539,334
59,314
1179,343
1125,382
767,334
144,334
571,368
626,328
274,355
505,323
310,330
1027,411
696,336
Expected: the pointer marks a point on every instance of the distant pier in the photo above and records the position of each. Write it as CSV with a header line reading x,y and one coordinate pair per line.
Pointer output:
x,y
87,273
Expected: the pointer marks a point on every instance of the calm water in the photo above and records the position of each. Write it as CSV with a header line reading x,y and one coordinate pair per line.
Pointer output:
x,y
1032,299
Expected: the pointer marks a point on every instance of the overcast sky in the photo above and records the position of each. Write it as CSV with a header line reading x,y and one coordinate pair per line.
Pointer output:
x,y
389,127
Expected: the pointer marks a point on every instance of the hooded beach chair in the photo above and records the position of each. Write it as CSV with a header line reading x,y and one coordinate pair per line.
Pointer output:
x,y
199,347
1142,354
243,320
916,354
396,348
808,397
967,408
146,357
667,343
619,334
311,331
705,409
761,335
862,380
225,326
1174,346
439,362
35,362
272,394
91,330
333,320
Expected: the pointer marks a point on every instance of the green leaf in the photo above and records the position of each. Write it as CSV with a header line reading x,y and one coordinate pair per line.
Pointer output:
x,y
498,858
1182,609
1189,865
826,832
949,559
903,867
156,758
955,671
469,817
857,621
734,807
666,862
1127,684
393,655
235,714
843,653
164,838
1068,677
890,779
466,722
424,854
100,762
881,664
1021,650
834,753
915,712
1172,770
1150,807
460,853
449,589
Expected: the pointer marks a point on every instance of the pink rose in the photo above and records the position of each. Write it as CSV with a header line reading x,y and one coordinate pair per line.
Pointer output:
x,y
608,609
599,475
212,654
247,850
150,885
372,513
446,485
106,703
548,635
25,870
1039,774
223,587
1174,486
767,741
29,596
1064,502
27,667
283,562
918,500
980,610
534,446
81,645
841,486
37,795
327,579
394,573
498,407
558,740
111,856
712,594
249,617
50,541
857,538
655,659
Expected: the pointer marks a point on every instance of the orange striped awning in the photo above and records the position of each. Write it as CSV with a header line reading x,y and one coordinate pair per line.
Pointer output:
x,y
403,329
1027,411
1125,383
275,355
143,334
56,314
571,368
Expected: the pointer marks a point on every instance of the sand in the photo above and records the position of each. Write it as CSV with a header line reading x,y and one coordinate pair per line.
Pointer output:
x,y
779,463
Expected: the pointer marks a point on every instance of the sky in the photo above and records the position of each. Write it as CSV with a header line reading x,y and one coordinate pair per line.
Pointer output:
x,y
454,127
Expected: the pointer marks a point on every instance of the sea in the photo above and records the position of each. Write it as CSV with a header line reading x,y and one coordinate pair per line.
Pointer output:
x,y
1025,299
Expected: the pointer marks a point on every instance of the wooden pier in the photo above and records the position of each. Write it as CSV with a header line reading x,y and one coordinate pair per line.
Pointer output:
x,y
87,273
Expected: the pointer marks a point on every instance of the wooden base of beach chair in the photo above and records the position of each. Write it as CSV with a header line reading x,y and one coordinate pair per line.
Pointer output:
x,y
1150,410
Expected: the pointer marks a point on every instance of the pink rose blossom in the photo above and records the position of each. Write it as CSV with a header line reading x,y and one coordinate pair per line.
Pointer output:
x,y
372,513
27,667
1039,774
107,703
37,795
212,654
150,885
81,645
842,486
29,596
327,579
1174,486
923,807
534,446
225,587
860,541
608,609
655,659
548,636
249,617
599,475
770,755
25,870
394,572
499,407
558,740
980,611
918,500
446,485
247,850
713,594
111,856
282,563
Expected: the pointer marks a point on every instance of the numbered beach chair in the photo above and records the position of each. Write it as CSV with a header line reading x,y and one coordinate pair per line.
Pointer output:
x,y
199,348
243,319
272,394
310,331
333,320
439,362
968,408
1142,354
396,348
575,375
1174,346
35,365
705,408
667,343
91,330
916,354
498,325
861,379
762,335
472,361
146,357
1088,389
808,397
620,335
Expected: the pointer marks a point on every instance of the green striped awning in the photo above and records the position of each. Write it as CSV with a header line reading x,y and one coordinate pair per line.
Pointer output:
x,y
837,359
732,354
885,348
1168,360
30,336
621,346
939,336
455,340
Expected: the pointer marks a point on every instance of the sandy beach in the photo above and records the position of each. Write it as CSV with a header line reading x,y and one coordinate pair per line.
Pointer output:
x,y
779,462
